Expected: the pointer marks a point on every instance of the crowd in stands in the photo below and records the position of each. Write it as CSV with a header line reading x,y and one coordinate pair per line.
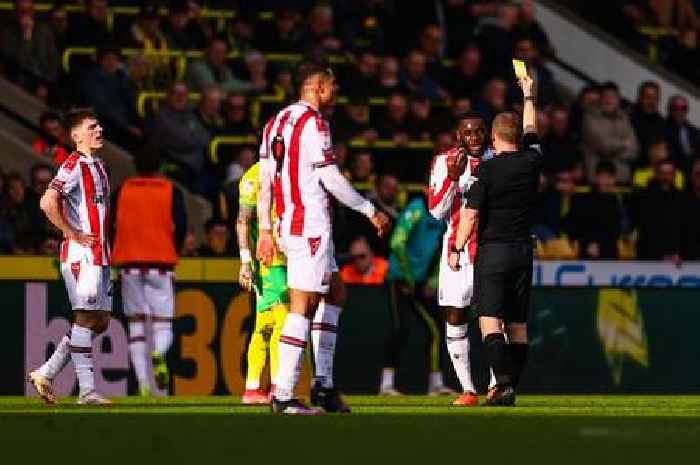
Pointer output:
x,y
620,181
664,30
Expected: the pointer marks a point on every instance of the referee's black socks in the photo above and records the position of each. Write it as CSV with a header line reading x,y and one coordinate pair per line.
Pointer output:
x,y
499,358
518,356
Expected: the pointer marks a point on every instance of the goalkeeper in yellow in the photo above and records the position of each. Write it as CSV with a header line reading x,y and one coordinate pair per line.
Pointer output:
x,y
269,285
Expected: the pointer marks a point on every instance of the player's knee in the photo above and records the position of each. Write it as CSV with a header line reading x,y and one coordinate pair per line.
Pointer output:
x,y
517,333
455,316
490,325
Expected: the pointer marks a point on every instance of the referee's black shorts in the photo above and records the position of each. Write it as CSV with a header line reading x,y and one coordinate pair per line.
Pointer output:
x,y
503,280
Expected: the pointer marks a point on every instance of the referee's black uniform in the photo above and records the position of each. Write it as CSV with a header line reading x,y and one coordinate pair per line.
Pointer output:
x,y
505,195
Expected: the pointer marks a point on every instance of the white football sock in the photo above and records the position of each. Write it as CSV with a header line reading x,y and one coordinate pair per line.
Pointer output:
x,y
295,333
137,350
458,348
162,334
324,332
58,360
81,353
388,375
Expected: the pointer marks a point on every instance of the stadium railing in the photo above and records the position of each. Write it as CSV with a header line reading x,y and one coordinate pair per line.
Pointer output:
x,y
655,34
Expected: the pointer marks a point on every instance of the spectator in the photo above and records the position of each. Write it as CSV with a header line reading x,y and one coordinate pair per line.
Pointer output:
x,y
444,141
469,78
200,30
588,97
385,195
608,135
394,123
14,210
285,35
106,88
189,246
365,23
389,81
217,240
244,160
140,75
256,72
493,99
52,143
555,205
362,77
91,29
284,81
364,268
179,32
240,33
208,111
683,138
675,14
319,31
362,169
432,46
690,226
58,22
561,144
658,153
657,216
646,120
237,115
528,26
145,32
182,139
546,91
415,80
596,219
41,175
496,41
421,122
29,50
212,69
685,56
354,121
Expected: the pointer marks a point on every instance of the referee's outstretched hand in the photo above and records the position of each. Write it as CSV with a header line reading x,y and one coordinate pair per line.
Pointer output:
x,y
381,222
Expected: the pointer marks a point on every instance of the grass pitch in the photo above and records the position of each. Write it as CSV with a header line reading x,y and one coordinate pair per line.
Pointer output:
x,y
562,429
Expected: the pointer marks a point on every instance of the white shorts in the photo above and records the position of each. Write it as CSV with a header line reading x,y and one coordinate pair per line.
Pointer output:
x,y
455,288
89,287
310,262
147,292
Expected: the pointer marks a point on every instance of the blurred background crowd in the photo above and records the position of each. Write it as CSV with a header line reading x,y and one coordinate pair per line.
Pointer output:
x,y
621,181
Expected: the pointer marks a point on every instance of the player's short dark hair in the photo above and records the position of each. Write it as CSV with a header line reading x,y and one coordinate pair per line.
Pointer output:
x,y
309,69
75,116
49,116
471,115
606,167
148,159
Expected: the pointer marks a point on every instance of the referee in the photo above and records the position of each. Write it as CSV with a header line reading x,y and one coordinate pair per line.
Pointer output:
x,y
503,200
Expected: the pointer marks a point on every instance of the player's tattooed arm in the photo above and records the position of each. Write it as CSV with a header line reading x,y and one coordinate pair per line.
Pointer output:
x,y
529,111
266,245
245,276
49,204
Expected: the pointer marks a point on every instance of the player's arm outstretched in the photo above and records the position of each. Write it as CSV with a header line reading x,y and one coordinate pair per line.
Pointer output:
x,y
444,175
246,213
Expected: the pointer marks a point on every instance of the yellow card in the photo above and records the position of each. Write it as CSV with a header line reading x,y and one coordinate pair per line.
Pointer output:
x,y
519,68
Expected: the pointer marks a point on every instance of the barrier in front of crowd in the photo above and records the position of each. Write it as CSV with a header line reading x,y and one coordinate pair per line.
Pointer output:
x,y
584,338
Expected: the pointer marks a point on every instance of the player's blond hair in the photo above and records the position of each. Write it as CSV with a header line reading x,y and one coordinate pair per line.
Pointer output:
x,y
506,126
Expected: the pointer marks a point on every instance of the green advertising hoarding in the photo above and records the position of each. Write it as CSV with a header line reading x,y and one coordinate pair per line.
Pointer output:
x,y
583,339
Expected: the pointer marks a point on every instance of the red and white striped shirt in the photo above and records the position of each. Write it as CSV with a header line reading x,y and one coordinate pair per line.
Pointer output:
x,y
84,188
296,146
445,197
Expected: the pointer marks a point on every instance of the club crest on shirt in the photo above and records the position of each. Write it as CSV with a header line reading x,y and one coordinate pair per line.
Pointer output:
x,y
314,243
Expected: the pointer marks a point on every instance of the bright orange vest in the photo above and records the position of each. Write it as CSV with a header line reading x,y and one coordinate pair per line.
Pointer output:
x,y
375,277
145,228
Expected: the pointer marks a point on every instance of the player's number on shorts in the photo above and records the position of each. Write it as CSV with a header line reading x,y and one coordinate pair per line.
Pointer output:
x,y
277,147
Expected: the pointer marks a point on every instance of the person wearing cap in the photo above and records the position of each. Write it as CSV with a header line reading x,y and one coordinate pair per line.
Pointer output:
x,y
146,33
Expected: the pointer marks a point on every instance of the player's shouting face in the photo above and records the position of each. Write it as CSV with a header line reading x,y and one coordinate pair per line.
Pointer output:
x,y
88,134
471,135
